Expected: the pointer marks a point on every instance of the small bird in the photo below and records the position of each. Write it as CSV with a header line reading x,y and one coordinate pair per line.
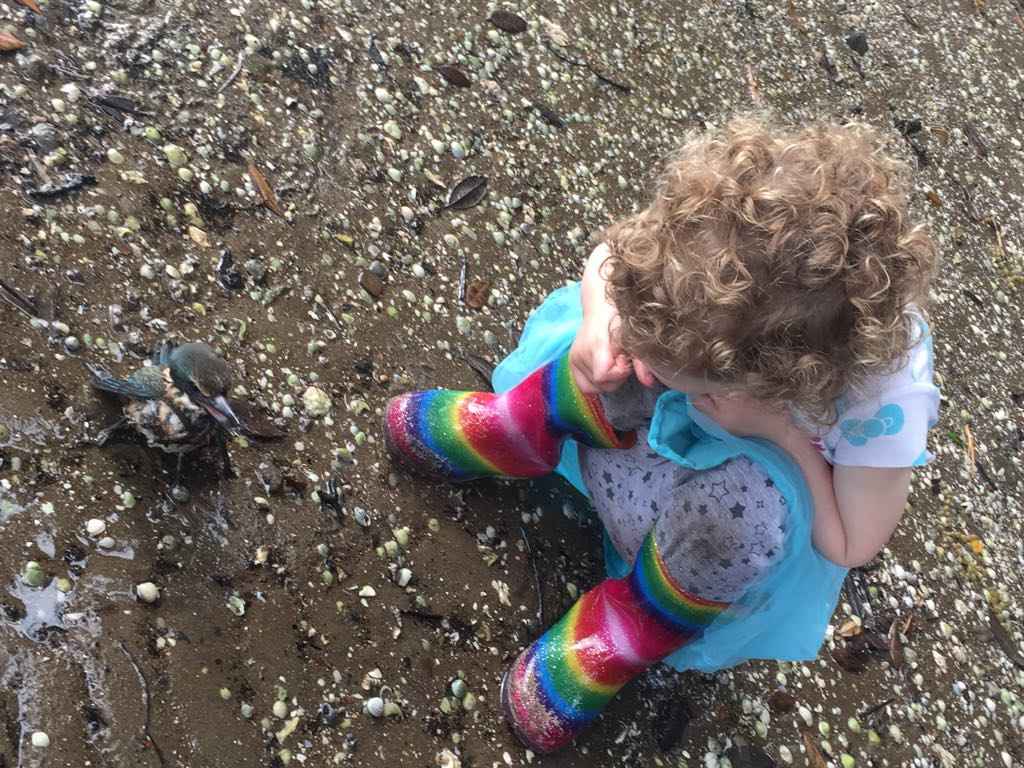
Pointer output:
x,y
178,404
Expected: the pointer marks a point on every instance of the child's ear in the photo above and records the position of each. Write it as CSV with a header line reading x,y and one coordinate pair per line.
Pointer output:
x,y
644,374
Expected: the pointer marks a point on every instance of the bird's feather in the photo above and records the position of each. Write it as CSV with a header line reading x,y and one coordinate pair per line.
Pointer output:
x,y
141,385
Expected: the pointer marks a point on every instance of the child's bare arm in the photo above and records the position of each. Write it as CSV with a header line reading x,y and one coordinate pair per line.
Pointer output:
x,y
596,361
856,509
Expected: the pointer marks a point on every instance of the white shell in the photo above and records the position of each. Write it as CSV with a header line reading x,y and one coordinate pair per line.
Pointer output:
x,y
147,591
95,527
375,706
40,740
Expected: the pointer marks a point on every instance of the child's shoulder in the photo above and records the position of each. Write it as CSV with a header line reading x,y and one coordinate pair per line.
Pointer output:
x,y
886,423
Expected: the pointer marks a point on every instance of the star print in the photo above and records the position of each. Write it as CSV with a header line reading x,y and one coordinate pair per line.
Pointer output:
x,y
769,483
760,504
646,478
760,530
725,562
606,476
687,508
609,493
770,552
743,489
737,511
702,509
718,491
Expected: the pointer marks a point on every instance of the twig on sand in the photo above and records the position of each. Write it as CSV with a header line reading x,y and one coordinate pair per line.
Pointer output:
x,y
144,684
536,578
233,75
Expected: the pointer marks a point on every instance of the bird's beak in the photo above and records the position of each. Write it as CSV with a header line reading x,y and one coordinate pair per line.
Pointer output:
x,y
220,410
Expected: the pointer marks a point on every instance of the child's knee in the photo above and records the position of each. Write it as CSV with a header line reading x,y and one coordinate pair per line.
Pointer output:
x,y
725,531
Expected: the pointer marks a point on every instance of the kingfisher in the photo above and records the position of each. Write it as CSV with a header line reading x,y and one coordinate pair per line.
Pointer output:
x,y
178,404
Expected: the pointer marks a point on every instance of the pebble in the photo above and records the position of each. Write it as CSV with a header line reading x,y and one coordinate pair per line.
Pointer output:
x,y
95,527
40,740
148,592
175,155
280,710
34,575
317,402
107,542
447,759
72,344
246,711
393,129
371,283
404,577
375,706
459,688
180,494
114,156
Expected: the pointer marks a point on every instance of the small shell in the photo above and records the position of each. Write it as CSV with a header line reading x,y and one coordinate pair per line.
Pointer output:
x,y
375,706
95,527
447,759
147,592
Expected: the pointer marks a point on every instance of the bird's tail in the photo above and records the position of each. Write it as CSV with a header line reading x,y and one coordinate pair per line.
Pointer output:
x,y
104,380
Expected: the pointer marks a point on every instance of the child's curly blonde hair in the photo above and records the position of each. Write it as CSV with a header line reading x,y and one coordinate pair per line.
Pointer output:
x,y
778,260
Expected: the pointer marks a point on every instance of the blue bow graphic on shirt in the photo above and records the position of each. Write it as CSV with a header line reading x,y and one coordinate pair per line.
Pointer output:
x,y
887,421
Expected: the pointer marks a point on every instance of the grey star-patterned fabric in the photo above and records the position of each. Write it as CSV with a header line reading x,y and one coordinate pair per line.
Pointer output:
x,y
718,530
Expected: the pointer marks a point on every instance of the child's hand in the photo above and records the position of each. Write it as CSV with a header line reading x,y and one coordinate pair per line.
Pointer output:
x,y
745,416
596,360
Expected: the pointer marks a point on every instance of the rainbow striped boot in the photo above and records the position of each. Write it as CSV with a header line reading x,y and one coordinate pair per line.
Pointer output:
x,y
558,685
461,436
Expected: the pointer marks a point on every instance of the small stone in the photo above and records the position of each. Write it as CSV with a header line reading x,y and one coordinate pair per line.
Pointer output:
x,y
40,740
447,759
246,711
280,710
459,689
95,527
317,402
147,592
63,584
858,42
33,574
375,706
847,760
175,155
225,694
180,494
367,591
469,701
371,283
393,129
114,156
107,542
404,577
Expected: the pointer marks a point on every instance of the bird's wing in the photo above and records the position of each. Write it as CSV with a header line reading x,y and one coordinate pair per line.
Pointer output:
x,y
141,385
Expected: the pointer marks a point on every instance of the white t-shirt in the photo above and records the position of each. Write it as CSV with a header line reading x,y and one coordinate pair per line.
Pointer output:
x,y
888,425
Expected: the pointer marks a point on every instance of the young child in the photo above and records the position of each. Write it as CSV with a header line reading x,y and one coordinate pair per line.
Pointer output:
x,y
776,280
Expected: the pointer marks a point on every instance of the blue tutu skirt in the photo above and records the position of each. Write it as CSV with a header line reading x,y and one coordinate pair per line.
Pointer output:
x,y
784,615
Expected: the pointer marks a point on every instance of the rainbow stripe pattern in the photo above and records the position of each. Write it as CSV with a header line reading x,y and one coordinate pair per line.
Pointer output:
x,y
558,685
467,435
